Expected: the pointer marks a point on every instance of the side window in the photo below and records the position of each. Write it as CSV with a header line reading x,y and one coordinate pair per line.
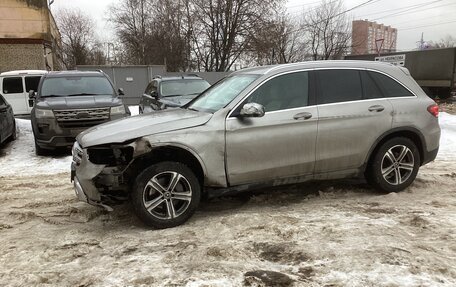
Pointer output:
x,y
2,101
390,87
371,89
12,85
339,86
31,83
283,92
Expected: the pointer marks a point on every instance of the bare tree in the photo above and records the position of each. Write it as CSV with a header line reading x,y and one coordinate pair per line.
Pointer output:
x,y
278,42
328,30
447,42
78,38
224,29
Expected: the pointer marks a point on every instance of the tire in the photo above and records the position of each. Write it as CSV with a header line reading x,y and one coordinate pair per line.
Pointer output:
x,y
13,136
394,166
167,211
40,151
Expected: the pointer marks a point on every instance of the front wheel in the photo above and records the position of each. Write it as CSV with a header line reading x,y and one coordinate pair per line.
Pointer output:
x,y
394,166
166,194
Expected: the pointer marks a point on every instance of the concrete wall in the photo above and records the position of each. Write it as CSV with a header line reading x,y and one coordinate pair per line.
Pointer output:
x,y
134,79
29,36
21,57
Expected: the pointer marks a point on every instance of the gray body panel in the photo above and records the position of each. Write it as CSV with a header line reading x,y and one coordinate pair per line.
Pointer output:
x,y
335,142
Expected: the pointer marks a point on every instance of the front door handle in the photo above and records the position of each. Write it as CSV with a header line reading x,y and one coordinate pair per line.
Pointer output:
x,y
302,116
376,108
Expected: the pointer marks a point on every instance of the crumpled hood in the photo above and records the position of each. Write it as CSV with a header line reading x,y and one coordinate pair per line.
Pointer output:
x,y
78,102
134,127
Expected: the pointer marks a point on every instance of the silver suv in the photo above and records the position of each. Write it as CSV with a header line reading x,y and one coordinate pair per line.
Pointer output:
x,y
267,125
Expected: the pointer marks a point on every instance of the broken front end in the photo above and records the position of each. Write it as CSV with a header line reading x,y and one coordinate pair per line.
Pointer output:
x,y
102,174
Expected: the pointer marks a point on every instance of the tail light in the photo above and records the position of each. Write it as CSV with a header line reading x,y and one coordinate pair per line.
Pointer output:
x,y
433,110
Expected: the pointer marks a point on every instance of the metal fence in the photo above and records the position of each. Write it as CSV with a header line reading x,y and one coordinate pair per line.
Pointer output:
x,y
134,79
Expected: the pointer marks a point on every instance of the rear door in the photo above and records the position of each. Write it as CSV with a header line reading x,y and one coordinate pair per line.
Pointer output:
x,y
280,144
352,115
13,91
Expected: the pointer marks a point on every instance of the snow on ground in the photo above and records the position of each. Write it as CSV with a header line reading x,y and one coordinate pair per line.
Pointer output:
x,y
331,233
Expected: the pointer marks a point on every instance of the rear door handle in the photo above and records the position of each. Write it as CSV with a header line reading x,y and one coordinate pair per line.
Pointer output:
x,y
302,116
376,108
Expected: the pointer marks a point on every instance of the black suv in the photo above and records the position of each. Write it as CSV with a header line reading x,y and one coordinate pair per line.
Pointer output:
x,y
69,102
171,92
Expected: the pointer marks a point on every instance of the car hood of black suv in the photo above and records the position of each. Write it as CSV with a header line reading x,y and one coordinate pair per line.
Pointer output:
x,y
130,128
78,102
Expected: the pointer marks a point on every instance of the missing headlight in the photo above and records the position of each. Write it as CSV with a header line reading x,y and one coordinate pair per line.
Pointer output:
x,y
110,156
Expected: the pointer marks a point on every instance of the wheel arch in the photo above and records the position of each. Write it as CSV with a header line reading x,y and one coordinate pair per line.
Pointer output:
x,y
169,152
408,132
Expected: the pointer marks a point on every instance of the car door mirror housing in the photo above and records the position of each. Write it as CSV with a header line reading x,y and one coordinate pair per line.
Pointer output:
x,y
32,94
121,92
253,110
154,94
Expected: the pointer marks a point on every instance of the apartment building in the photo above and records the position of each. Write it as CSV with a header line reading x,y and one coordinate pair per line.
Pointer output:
x,y
368,36
29,37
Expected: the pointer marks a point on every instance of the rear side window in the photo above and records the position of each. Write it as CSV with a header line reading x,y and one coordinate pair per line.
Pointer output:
x,y
371,89
31,83
390,87
339,86
12,85
283,92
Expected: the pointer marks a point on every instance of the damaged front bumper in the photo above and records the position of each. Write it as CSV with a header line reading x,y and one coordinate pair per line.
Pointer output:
x,y
82,174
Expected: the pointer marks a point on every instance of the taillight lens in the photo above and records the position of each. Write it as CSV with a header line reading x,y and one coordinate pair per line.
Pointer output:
x,y
433,110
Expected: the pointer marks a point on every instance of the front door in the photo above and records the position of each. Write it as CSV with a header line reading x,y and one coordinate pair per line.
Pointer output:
x,y
280,144
13,91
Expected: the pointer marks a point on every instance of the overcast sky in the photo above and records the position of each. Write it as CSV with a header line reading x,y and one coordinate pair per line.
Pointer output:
x,y
425,16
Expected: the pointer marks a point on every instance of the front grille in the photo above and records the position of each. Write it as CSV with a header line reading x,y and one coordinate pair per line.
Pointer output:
x,y
82,117
77,153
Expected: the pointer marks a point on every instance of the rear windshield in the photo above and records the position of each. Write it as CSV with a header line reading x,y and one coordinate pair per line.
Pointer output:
x,y
76,86
183,87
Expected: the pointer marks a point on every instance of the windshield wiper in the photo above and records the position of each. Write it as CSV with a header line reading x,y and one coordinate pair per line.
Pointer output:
x,y
192,109
51,96
84,94
177,95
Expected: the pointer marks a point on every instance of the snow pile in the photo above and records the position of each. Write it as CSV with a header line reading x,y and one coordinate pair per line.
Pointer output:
x,y
447,150
19,158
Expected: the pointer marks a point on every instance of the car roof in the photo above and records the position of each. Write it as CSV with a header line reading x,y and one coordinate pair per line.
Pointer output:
x,y
349,64
23,72
178,77
58,74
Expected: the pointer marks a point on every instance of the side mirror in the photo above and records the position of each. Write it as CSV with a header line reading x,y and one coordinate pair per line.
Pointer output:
x,y
121,92
252,110
32,95
154,94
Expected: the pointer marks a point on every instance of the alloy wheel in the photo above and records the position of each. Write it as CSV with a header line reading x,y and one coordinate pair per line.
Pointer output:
x,y
397,164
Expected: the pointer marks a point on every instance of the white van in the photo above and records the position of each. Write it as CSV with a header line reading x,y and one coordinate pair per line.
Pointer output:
x,y
15,85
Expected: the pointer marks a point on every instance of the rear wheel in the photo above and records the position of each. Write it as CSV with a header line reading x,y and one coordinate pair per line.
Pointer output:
x,y
166,194
394,166
13,136
41,151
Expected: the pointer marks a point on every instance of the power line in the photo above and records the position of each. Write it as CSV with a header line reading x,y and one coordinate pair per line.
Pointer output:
x,y
425,26
395,10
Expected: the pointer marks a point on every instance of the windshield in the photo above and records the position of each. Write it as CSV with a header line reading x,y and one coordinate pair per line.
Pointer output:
x,y
76,86
222,93
182,87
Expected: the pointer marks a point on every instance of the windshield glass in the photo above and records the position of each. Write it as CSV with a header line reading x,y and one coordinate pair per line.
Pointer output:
x,y
222,93
76,85
182,87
